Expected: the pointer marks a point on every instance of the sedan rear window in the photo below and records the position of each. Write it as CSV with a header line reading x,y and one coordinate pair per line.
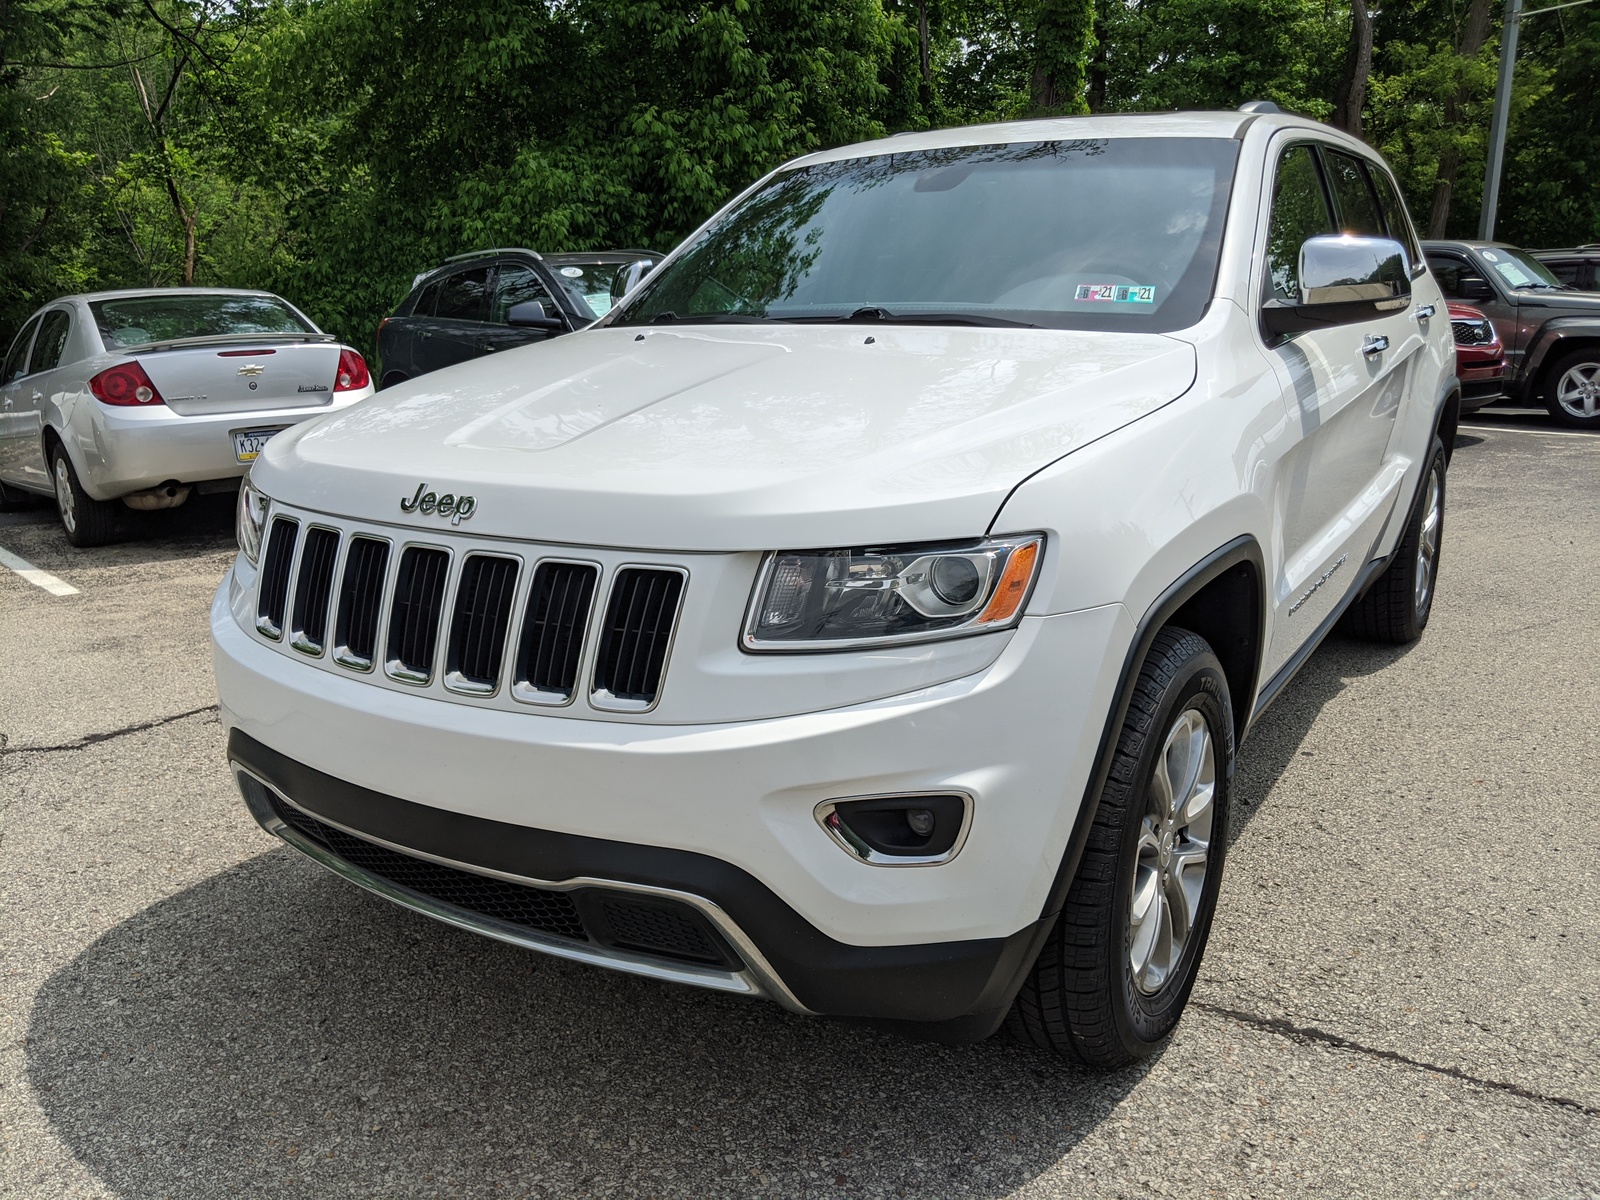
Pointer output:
x,y
141,320
1105,233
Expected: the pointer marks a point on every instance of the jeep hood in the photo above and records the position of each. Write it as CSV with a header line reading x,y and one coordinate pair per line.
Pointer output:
x,y
731,437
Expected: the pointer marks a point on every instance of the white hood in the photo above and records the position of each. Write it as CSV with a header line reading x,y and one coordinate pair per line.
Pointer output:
x,y
737,437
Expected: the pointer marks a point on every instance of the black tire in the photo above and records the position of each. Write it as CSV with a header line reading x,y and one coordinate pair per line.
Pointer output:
x,y
14,499
1580,370
1395,609
1085,999
85,520
389,380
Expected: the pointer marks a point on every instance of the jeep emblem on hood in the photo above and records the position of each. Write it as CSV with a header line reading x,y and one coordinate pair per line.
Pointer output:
x,y
457,508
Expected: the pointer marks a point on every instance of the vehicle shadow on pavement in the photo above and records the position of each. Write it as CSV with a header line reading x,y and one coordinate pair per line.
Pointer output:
x,y
1273,741
203,524
274,1031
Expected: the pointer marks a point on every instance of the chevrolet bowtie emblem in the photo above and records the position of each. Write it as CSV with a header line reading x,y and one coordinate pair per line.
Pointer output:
x,y
251,369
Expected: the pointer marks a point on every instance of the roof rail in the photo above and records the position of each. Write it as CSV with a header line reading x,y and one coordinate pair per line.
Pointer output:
x,y
487,253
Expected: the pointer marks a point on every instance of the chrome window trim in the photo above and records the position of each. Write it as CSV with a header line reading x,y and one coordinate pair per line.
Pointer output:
x,y
758,978
875,858
600,698
520,690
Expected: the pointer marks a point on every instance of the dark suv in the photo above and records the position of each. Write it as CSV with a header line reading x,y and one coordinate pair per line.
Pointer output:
x,y
1577,266
1551,332
493,300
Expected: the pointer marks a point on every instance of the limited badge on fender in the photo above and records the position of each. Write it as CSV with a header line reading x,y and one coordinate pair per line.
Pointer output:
x,y
457,508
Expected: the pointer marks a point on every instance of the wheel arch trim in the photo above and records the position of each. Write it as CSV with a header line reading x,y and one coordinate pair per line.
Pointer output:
x,y
1553,338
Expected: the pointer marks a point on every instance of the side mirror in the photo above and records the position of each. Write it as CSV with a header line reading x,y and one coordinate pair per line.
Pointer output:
x,y
1344,280
630,277
530,314
1473,287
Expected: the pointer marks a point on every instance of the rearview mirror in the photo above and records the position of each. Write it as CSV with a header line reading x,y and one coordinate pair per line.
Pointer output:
x,y
1343,279
530,314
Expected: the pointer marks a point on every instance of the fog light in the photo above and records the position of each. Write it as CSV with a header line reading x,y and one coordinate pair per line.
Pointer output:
x,y
916,830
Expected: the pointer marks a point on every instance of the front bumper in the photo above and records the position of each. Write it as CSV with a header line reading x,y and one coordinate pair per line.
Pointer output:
x,y
724,813
117,451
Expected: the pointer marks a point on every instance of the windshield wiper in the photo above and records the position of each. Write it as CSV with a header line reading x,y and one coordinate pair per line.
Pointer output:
x,y
875,315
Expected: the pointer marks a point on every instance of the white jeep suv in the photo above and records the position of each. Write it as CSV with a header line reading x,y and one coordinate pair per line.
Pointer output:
x,y
865,613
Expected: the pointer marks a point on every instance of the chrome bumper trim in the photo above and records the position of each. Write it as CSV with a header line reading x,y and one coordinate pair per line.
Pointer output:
x,y
757,979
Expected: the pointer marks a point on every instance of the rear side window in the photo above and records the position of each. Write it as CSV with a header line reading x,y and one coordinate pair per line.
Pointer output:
x,y
1570,273
17,361
464,296
1358,209
427,301
52,340
143,320
1395,216
1299,211
516,284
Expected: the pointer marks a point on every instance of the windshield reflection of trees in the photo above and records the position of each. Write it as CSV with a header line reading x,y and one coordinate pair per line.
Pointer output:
x,y
758,255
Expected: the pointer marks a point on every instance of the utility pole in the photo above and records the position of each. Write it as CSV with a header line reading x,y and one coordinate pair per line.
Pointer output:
x,y
1502,108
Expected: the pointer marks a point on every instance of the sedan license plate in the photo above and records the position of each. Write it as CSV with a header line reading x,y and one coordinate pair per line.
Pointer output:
x,y
247,443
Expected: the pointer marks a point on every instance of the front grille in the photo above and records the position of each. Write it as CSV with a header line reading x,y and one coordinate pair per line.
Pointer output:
x,y
356,634
414,620
553,628
273,598
482,619
514,903
636,634
1471,333
620,920
312,592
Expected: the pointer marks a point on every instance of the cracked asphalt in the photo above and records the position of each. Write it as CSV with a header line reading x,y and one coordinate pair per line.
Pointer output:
x,y
1401,996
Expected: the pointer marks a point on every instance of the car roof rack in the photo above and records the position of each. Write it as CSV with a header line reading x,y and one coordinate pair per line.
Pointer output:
x,y
487,253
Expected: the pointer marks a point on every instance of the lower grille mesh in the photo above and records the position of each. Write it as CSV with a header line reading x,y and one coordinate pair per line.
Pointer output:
x,y
532,908
656,929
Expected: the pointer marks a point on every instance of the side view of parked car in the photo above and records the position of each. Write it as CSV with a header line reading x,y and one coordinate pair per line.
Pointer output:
x,y
1551,332
492,300
1577,266
136,398
865,613
1480,357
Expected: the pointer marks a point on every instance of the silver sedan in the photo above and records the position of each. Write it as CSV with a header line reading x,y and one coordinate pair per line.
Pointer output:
x,y
138,398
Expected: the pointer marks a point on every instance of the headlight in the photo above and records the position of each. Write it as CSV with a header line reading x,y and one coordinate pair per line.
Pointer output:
x,y
251,519
838,599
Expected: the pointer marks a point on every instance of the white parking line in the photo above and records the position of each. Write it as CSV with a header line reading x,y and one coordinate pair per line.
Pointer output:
x,y
51,584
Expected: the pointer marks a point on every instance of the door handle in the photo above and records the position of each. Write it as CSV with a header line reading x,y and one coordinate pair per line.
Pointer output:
x,y
1425,312
1376,343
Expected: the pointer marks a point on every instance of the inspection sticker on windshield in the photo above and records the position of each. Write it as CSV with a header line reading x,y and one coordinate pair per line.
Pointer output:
x,y
1117,293
572,272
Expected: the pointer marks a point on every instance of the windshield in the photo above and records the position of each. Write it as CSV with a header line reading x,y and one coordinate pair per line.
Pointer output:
x,y
141,320
591,283
1118,233
1519,269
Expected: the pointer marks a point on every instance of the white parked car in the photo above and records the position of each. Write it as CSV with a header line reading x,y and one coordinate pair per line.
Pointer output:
x,y
865,614
139,397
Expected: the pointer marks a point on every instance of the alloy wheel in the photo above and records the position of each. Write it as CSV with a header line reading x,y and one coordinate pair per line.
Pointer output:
x,y
1578,391
1174,852
65,500
1428,541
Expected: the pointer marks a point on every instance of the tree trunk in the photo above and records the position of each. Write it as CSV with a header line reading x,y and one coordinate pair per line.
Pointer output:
x,y
922,37
1352,93
1099,69
1473,35
1062,42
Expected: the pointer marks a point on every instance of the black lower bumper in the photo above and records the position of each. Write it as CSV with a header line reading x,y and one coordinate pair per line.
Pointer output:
x,y
958,990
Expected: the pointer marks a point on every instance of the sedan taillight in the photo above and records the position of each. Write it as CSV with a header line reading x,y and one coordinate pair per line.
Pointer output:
x,y
126,386
352,374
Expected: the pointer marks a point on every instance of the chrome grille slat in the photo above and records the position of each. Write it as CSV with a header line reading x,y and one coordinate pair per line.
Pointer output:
x,y
355,637
415,615
313,590
480,624
553,625
636,635
276,564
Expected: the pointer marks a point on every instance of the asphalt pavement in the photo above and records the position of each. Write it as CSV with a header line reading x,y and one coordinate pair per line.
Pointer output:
x,y
1401,996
